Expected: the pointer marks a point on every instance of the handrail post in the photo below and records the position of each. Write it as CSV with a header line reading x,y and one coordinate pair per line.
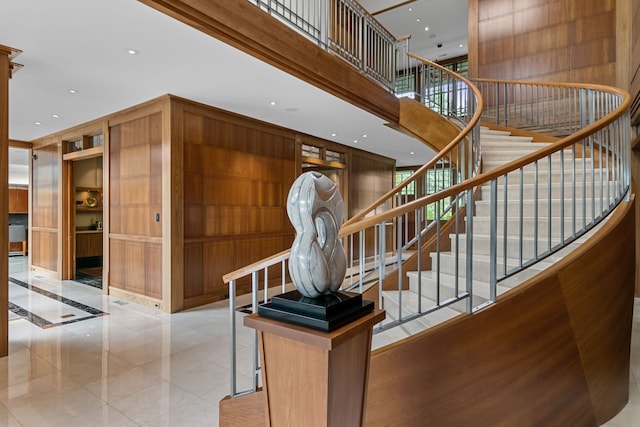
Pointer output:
x,y
232,344
493,242
469,267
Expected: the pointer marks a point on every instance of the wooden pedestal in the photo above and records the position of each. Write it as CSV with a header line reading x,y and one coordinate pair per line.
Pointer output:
x,y
314,378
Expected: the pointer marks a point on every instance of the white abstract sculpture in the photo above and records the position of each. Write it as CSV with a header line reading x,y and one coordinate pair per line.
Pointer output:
x,y
317,263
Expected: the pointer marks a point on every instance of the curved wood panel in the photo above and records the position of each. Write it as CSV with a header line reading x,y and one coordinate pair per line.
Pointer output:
x,y
425,125
554,351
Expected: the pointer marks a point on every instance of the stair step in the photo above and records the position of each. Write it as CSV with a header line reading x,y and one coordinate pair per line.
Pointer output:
x,y
410,306
529,190
543,164
483,207
446,264
481,224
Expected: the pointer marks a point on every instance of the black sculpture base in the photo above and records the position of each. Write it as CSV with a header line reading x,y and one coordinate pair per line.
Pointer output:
x,y
324,313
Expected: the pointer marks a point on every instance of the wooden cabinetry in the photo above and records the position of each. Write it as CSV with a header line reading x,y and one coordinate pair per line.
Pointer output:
x,y
18,200
88,244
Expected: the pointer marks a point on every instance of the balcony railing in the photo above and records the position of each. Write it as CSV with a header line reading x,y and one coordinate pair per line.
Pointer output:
x,y
343,27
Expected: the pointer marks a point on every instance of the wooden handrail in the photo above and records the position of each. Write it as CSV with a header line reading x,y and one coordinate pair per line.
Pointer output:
x,y
256,266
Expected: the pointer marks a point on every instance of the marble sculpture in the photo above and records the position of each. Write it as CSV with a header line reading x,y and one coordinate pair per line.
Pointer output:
x,y
317,263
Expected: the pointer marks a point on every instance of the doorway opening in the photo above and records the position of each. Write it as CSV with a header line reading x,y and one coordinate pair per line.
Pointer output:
x,y
87,220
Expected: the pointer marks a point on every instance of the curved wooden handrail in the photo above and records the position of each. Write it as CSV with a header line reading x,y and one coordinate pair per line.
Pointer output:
x,y
464,133
483,178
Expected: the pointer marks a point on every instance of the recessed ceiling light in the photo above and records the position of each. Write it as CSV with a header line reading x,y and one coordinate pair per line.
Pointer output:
x,y
37,123
55,116
334,134
132,52
412,153
273,103
73,91
355,141
418,20
461,46
364,136
410,10
426,28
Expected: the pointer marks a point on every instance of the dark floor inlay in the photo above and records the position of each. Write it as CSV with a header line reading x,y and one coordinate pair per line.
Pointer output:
x,y
43,323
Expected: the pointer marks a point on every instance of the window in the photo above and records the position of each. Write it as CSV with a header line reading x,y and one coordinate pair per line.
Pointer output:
x,y
401,176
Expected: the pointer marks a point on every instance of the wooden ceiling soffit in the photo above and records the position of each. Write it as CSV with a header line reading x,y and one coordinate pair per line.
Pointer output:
x,y
244,26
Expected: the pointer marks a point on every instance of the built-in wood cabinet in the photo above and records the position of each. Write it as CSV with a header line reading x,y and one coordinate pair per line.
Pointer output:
x,y
18,200
88,244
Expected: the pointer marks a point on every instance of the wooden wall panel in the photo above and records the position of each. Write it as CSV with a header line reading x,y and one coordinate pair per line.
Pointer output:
x,y
44,249
237,172
46,173
548,40
153,271
135,159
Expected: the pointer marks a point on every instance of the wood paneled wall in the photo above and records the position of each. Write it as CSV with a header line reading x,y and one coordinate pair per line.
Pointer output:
x,y
545,40
45,224
237,174
135,223
193,193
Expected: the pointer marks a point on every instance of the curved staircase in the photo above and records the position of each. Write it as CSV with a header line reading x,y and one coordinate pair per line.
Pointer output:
x,y
429,289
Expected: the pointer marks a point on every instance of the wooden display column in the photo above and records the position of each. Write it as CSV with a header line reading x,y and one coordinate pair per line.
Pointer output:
x,y
314,378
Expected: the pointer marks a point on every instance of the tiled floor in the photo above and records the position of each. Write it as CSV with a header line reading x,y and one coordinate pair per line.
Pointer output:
x,y
132,365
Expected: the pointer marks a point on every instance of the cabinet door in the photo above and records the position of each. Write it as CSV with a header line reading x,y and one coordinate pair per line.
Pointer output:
x,y
83,245
18,200
96,244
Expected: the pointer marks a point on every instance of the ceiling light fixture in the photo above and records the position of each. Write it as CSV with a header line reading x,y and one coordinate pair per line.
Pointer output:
x,y
461,46
273,103
37,123
426,28
418,20
412,153
334,134
132,52
73,91
55,116
355,141
364,136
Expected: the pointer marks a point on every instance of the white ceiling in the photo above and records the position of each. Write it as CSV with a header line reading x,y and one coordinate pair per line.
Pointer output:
x,y
83,45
